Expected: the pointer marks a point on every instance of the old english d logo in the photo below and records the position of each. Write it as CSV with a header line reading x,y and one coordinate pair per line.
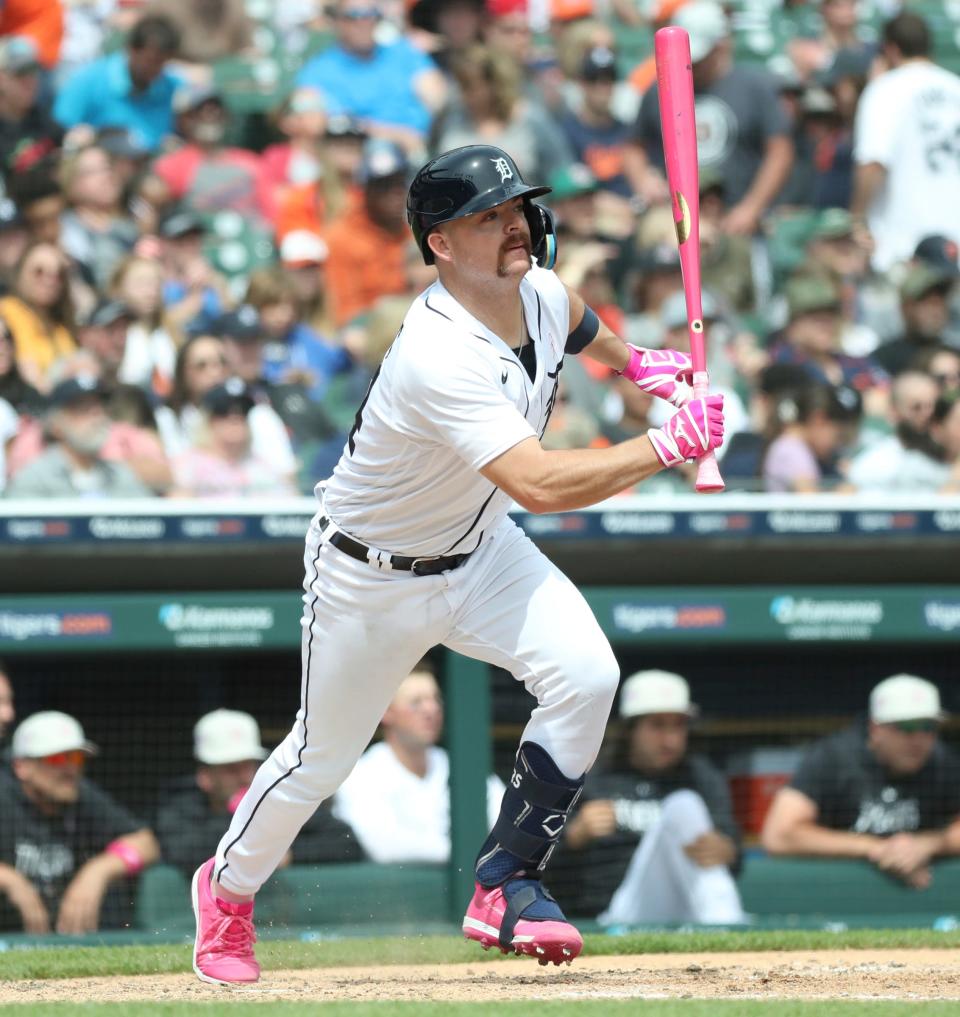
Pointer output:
x,y
683,223
503,168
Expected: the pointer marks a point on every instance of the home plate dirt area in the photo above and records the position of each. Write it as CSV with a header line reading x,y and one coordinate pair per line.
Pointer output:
x,y
803,974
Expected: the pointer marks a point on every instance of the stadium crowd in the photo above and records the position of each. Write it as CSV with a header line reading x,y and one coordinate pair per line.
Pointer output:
x,y
195,295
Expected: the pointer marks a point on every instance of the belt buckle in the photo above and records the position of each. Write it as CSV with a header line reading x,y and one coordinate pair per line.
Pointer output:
x,y
417,562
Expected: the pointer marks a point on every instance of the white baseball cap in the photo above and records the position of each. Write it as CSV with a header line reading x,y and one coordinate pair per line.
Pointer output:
x,y
655,692
303,247
227,736
905,697
705,23
46,733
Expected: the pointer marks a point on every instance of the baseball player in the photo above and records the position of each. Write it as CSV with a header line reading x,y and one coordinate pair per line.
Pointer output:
x,y
412,547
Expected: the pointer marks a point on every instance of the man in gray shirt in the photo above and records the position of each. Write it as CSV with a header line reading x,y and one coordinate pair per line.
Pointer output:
x,y
71,467
742,129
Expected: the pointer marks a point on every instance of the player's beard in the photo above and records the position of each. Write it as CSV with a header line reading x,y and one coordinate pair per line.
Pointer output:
x,y
503,270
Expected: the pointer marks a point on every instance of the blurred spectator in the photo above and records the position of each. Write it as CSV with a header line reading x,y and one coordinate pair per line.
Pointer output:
x,y
39,199
654,839
104,334
20,396
227,749
73,464
209,30
221,462
7,711
572,199
368,241
128,88
194,293
315,437
63,841
392,88
293,351
9,428
201,365
726,259
150,352
809,429
742,128
506,30
886,792
597,137
397,797
941,363
906,460
41,21
27,131
839,31
945,431
95,229
298,161
205,174
13,242
303,255
451,26
925,310
907,174
813,333
312,206
129,159
39,313
654,275
490,107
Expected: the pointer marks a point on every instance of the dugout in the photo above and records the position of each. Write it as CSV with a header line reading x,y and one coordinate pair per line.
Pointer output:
x,y
782,613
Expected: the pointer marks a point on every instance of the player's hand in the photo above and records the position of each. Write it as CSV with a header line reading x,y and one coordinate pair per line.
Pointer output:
x,y
25,897
594,820
667,374
690,433
711,848
80,907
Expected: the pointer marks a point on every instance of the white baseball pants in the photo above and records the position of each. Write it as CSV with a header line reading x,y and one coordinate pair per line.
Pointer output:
x,y
363,632
662,884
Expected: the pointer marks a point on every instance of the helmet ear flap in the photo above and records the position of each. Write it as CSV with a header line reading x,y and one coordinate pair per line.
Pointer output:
x,y
543,234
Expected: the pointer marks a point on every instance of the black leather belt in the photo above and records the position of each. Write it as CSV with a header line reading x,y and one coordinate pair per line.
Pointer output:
x,y
418,566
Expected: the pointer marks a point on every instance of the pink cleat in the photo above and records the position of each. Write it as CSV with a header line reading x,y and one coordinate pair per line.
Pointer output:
x,y
223,948
493,919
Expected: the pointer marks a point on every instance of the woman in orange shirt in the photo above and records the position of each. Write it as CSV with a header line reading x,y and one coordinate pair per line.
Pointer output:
x,y
40,313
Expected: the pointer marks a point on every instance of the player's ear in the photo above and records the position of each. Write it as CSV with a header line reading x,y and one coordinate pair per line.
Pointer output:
x,y
439,245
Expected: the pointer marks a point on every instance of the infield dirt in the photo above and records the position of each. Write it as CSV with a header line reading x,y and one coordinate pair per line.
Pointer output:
x,y
847,974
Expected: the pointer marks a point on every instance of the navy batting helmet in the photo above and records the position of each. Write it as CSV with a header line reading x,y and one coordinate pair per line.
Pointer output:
x,y
473,179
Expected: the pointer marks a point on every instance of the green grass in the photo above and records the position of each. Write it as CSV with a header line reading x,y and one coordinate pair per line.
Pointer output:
x,y
81,962
573,1008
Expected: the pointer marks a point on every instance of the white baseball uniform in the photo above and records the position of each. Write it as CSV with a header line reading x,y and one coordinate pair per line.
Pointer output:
x,y
450,396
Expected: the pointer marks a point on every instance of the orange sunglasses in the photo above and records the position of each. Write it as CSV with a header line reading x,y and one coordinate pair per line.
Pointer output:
x,y
71,757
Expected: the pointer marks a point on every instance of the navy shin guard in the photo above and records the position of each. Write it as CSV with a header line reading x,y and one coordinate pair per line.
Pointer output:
x,y
532,816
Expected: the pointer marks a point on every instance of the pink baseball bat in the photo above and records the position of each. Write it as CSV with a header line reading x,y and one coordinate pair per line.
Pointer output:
x,y
679,128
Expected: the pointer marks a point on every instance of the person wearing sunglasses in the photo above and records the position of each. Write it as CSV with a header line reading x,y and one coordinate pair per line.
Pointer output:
x,y
887,792
64,842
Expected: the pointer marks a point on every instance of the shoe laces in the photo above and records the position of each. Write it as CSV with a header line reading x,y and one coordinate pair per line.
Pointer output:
x,y
234,936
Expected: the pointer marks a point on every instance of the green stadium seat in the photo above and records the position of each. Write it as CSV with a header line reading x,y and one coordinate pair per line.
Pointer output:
x,y
235,247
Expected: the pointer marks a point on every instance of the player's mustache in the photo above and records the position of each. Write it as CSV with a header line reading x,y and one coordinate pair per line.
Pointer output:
x,y
515,242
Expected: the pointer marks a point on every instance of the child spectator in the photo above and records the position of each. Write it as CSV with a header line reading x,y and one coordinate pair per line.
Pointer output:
x,y
151,352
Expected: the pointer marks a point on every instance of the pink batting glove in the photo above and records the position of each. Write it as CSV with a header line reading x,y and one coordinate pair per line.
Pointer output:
x,y
667,374
690,433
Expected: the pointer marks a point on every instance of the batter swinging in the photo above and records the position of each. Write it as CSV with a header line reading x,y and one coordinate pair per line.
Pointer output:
x,y
412,547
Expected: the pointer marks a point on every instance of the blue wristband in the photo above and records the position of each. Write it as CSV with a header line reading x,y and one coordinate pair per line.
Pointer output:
x,y
584,333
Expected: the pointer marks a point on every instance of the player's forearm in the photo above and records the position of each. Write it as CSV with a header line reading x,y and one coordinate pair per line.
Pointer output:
x,y
809,839
608,349
575,478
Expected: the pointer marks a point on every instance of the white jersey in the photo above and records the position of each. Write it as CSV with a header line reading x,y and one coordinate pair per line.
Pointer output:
x,y
908,120
399,816
449,397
